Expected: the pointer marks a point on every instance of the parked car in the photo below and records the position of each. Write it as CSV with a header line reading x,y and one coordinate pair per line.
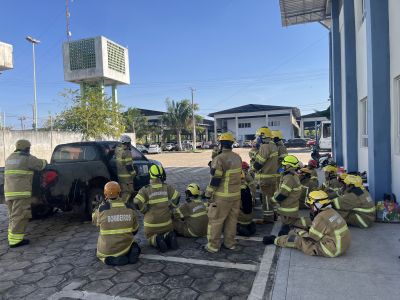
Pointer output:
x,y
247,144
75,178
310,143
142,148
236,145
154,149
169,147
297,142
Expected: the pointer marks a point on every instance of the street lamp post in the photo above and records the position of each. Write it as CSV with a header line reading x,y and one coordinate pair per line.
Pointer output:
x,y
35,118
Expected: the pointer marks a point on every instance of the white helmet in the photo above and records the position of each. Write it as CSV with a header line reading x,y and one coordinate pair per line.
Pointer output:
x,y
125,139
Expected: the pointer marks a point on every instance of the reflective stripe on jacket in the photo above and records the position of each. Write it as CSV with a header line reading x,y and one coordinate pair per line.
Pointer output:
x,y
291,188
194,214
124,162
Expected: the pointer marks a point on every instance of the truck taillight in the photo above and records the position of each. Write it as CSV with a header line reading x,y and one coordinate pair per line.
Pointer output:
x,y
49,177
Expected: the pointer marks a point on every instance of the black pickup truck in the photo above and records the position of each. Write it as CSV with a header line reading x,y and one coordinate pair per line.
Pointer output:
x,y
75,178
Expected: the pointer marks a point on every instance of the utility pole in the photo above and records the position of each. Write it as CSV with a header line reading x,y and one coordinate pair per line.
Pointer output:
x,y
22,119
67,16
193,120
34,42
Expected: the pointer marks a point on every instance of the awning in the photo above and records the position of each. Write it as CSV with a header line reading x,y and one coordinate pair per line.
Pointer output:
x,y
305,11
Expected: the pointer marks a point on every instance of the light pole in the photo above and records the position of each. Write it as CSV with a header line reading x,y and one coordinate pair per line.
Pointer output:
x,y
193,121
34,42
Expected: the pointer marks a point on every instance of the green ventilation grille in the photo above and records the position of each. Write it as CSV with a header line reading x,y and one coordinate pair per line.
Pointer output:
x,y
82,54
116,57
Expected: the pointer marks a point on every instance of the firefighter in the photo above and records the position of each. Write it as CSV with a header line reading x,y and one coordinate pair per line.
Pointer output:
x,y
223,194
327,236
18,172
118,224
355,205
253,152
156,202
216,149
245,225
278,140
266,165
288,195
190,219
309,180
125,170
332,185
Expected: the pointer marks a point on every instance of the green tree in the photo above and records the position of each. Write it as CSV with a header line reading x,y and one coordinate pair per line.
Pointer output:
x,y
178,117
93,114
136,122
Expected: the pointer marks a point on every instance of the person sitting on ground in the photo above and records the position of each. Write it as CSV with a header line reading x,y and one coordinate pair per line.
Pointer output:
x,y
355,205
190,219
332,185
116,245
246,225
156,201
309,180
327,236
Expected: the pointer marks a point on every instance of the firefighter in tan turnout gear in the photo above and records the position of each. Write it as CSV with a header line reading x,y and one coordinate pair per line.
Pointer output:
x,y
309,180
355,205
332,185
327,236
18,176
190,219
156,202
278,140
223,193
118,224
125,170
266,165
288,195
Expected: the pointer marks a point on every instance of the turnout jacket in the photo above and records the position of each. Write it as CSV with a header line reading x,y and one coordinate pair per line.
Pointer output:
x,y
225,172
358,202
18,174
124,161
156,201
309,180
282,151
330,230
118,224
332,186
194,214
266,161
288,194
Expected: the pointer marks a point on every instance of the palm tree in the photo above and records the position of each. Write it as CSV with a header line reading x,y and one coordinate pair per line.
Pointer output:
x,y
178,117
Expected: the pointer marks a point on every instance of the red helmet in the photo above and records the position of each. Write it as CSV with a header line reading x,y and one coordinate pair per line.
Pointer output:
x,y
245,165
313,163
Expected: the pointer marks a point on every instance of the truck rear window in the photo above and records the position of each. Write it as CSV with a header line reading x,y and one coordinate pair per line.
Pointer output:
x,y
74,153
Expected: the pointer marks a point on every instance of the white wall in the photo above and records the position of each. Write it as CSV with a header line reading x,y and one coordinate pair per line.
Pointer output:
x,y
343,80
394,31
362,90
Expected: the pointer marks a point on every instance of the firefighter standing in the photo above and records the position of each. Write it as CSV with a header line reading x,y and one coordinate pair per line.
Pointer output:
x,y
278,140
223,193
327,236
116,245
156,201
18,171
125,170
266,165
309,180
288,195
355,205
245,225
190,219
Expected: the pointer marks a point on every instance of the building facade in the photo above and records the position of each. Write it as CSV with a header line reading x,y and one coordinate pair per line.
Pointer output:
x,y
365,83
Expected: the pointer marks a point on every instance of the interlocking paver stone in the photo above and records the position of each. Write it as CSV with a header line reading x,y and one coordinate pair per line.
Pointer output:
x,y
212,296
150,267
20,291
39,267
50,281
98,286
44,259
10,275
175,269
119,288
227,275
179,281
206,285
59,269
103,274
152,292
127,276
130,292
184,293
30,277
5,285
43,293
201,272
152,278
235,288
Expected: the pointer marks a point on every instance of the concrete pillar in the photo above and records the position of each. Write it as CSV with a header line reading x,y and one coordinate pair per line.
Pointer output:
x,y
215,129
266,120
114,94
378,78
336,70
206,137
301,128
236,128
350,82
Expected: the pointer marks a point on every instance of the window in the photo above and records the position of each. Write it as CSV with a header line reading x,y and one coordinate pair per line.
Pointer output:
x,y
244,125
397,113
74,153
274,123
364,122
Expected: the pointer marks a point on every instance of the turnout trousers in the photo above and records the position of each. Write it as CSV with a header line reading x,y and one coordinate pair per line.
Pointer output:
x,y
127,191
19,213
268,188
222,218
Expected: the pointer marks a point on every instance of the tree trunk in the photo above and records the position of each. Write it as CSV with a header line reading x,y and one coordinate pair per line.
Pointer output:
x,y
178,134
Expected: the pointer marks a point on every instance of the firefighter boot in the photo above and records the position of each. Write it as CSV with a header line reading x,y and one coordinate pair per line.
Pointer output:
x,y
161,244
171,240
21,243
134,253
284,230
269,239
116,260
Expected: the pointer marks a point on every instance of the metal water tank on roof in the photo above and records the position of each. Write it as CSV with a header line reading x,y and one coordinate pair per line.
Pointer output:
x,y
6,56
95,60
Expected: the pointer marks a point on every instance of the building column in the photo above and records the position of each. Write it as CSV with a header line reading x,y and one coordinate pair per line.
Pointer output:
x,y
215,129
350,82
336,102
378,78
236,128
266,120
206,137
302,128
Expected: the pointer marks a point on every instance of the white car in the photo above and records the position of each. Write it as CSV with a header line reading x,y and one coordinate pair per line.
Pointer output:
x,y
154,149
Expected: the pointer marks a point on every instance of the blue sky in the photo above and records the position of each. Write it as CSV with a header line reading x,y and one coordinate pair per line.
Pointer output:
x,y
233,52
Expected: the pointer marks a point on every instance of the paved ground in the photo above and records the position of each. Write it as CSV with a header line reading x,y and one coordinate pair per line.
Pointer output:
x,y
60,263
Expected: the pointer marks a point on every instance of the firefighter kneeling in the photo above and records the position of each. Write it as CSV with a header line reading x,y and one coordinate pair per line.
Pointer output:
x,y
328,235
190,219
116,245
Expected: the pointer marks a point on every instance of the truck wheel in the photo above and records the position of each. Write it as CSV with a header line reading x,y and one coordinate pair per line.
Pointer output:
x,y
40,211
94,199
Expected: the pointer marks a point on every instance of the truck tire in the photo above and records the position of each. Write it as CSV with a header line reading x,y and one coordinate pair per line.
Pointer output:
x,y
93,200
40,211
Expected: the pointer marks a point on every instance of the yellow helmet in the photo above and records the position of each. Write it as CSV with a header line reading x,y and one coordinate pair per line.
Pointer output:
x,y
22,144
354,180
343,176
291,160
112,190
277,134
265,131
157,172
194,189
227,136
318,197
330,169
